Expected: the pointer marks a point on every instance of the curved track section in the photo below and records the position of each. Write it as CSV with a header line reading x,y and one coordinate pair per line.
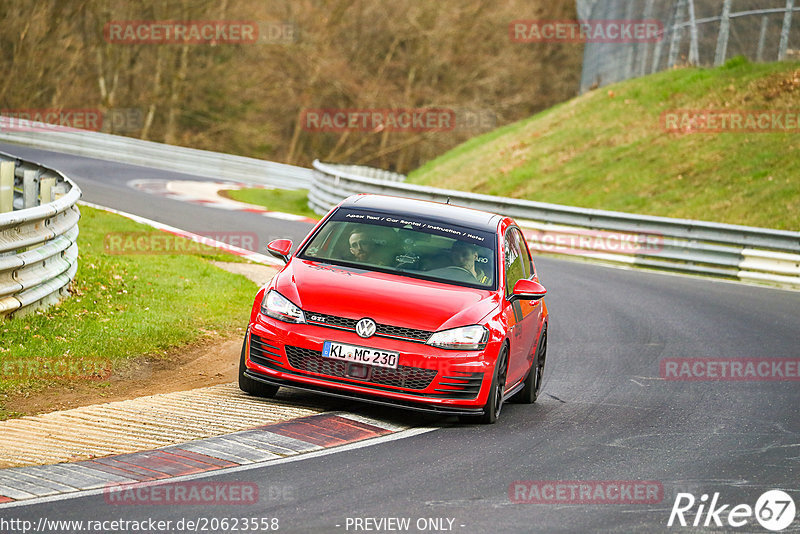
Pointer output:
x,y
606,413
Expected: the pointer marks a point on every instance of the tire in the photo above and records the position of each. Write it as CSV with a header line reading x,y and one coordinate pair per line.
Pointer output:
x,y
491,411
533,382
253,387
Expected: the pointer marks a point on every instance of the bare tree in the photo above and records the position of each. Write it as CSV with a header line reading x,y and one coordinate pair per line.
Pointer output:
x,y
249,98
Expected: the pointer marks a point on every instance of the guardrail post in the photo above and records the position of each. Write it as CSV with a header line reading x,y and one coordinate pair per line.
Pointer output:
x,y
724,32
30,191
762,37
694,53
6,186
45,190
658,50
632,47
677,34
642,68
58,191
787,26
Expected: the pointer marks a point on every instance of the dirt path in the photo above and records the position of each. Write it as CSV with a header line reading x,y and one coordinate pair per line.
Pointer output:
x,y
211,361
207,363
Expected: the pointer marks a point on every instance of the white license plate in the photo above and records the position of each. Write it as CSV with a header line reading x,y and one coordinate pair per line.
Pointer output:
x,y
355,354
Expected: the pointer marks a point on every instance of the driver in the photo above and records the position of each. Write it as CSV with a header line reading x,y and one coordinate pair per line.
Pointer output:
x,y
464,255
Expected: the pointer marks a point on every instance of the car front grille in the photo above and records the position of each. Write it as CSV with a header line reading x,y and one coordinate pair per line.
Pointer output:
x,y
455,385
382,330
403,377
313,362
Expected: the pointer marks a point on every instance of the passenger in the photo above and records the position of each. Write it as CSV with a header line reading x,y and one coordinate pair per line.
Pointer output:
x,y
361,246
365,249
464,255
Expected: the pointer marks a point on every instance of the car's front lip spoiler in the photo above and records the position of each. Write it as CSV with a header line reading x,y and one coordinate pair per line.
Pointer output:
x,y
441,410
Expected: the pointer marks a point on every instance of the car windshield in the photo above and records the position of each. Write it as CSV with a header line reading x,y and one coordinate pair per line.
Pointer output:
x,y
406,245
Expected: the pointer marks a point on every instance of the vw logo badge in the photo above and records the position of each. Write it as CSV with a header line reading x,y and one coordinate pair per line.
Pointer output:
x,y
365,328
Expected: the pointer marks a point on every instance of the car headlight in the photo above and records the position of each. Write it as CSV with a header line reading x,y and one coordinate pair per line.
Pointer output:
x,y
464,338
279,307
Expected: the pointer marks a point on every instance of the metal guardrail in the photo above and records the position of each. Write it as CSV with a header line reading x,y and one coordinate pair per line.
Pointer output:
x,y
700,247
725,250
158,155
38,249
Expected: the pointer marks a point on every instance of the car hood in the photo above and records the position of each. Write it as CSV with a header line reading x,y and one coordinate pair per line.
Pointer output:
x,y
386,298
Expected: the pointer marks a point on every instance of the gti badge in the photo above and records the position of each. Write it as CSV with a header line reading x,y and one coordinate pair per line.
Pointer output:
x,y
365,328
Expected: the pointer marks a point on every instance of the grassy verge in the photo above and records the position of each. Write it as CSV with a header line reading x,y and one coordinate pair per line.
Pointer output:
x,y
607,149
123,307
284,200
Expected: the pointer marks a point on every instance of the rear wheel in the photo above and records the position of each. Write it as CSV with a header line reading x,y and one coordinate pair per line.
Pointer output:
x,y
533,383
253,387
491,411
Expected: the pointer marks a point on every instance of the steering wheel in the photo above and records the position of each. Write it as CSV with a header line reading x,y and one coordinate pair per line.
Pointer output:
x,y
458,268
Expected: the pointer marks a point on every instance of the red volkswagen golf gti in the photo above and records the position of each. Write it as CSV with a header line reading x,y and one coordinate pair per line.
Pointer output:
x,y
403,302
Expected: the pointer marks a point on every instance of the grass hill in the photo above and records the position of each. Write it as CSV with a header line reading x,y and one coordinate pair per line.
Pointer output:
x,y
609,149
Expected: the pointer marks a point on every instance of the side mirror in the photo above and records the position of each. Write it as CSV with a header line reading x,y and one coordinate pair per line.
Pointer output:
x,y
527,290
280,248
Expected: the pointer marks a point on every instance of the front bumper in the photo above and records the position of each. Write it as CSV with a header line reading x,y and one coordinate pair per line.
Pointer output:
x,y
426,379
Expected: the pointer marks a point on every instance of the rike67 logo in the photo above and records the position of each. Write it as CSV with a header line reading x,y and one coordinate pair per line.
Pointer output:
x,y
774,510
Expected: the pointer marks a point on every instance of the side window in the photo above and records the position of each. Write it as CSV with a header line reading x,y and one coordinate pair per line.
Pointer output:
x,y
517,259
515,270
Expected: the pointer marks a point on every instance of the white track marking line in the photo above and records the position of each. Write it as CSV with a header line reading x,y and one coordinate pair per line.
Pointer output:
x,y
224,471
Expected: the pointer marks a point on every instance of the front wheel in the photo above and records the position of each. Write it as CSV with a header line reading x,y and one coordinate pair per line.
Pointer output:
x,y
533,382
491,411
253,387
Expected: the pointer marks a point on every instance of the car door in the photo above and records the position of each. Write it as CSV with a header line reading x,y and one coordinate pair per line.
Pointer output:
x,y
521,315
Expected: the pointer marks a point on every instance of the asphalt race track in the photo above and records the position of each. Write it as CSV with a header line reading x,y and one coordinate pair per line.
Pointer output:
x,y
106,183
605,414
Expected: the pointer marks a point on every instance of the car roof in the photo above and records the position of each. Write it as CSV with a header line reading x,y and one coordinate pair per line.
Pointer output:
x,y
433,211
